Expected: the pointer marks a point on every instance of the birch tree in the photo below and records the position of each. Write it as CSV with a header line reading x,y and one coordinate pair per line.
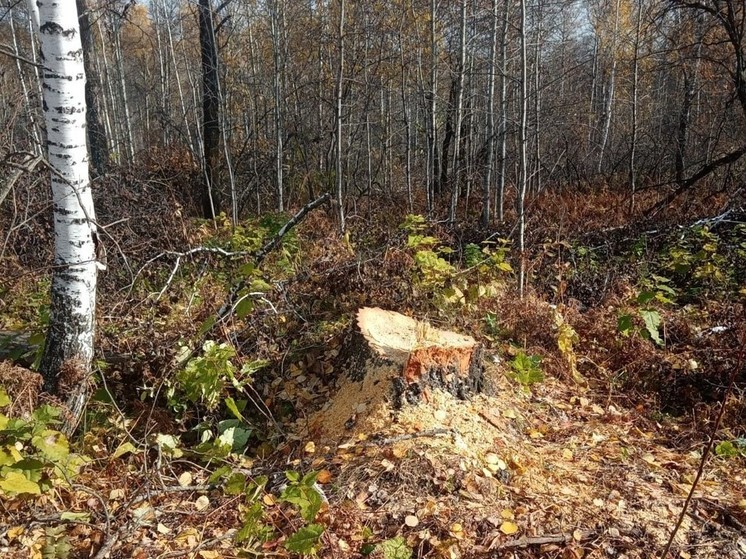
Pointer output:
x,y
68,351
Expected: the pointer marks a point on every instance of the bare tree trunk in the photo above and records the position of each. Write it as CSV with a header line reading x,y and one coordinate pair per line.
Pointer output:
x,y
98,143
33,125
537,101
163,71
210,111
459,118
340,92
610,95
635,84
523,170
407,126
682,134
177,78
110,102
129,142
503,131
592,99
432,139
490,125
276,33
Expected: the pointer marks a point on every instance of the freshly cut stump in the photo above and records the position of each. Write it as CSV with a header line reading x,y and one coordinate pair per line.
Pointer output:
x,y
425,357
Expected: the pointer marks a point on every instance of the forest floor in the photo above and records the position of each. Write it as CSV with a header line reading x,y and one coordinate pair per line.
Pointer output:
x,y
604,383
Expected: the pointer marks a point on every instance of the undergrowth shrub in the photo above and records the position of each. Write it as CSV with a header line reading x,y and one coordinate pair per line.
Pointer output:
x,y
448,284
34,456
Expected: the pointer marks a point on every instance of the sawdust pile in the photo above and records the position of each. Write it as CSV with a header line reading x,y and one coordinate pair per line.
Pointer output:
x,y
358,407
556,461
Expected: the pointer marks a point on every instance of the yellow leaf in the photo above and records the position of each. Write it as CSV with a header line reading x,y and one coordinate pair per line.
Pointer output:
x,y
202,503
325,476
507,514
185,479
650,459
310,447
188,537
567,454
491,458
508,528
387,464
399,451
411,520
14,532
124,448
268,499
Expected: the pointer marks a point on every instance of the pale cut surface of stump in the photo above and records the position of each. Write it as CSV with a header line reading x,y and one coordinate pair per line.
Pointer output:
x,y
426,357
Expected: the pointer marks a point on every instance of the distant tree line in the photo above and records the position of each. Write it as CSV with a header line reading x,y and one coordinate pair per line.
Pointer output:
x,y
454,105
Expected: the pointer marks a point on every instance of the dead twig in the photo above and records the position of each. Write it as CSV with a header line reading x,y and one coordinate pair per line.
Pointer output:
x,y
522,543
410,436
201,545
229,306
728,516
29,163
707,449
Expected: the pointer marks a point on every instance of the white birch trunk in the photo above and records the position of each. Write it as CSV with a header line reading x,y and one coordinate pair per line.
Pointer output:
x,y
68,350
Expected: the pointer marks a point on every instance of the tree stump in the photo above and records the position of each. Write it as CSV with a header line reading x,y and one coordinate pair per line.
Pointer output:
x,y
426,358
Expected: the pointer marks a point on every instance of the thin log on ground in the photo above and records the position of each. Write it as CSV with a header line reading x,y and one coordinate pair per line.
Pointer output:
x,y
525,542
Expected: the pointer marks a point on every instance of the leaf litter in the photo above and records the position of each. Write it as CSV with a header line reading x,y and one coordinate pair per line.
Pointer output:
x,y
560,462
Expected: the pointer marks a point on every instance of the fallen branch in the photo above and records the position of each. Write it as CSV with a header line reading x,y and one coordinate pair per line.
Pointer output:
x,y
728,516
229,306
409,436
522,543
109,543
727,159
28,165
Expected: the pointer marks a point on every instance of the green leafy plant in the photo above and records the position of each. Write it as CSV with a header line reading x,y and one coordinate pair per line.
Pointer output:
x,y
656,290
698,255
526,370
395,548
305,540
492,327
302,492
490,258
254,529
435,275
56,543
34,457
206,378
731,449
